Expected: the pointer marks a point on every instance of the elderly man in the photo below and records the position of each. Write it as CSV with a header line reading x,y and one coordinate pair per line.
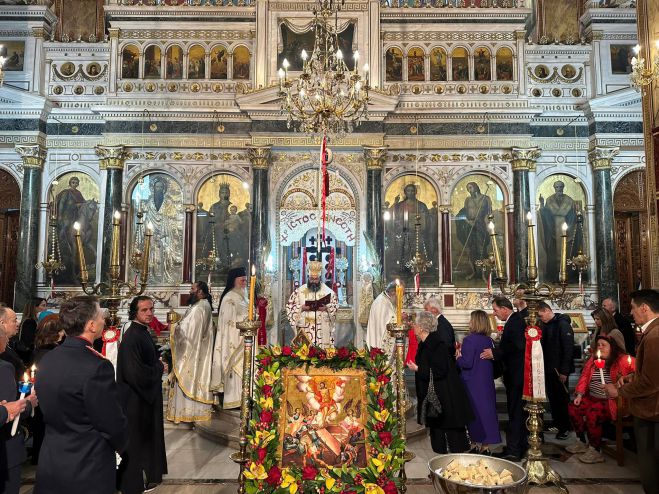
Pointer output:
x,y
383,310
9,323
444,328
641,389
624,325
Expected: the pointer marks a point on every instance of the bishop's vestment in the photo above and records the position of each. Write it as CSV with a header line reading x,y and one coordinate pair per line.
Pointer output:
x,y
318,325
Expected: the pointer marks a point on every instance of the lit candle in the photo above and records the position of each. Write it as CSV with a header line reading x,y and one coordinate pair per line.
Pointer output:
x,y
599,363
84,275
144,272
24,388
356,57
304,55
252,287
562,274
285,65
631,364
532,268
366,72
116,239
33,373
399,303
495,250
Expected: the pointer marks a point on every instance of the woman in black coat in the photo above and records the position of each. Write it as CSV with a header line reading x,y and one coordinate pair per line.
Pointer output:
x,y
447,432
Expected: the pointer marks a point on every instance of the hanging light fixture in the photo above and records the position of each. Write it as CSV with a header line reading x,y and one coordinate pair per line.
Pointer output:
x,y
644,74
327,97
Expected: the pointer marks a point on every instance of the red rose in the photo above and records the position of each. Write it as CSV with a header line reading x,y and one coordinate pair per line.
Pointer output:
x,y
380,402
385,438
383,378
266,361
309,473
358,479
261,452
390,488
322,355
353,355
286,351
266,416
274,476
342,353
267,390
375,352
312,352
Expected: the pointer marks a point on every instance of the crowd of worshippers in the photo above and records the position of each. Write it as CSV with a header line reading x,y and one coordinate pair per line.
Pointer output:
x,y
92,427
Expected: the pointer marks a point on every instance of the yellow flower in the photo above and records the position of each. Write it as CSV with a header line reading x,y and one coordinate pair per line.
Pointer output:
x,y
380,462
330,352
268,378
303,352
362,352
373,489
276,350
381,416
287,480
375,386
266,403
256,472
262,438
329,483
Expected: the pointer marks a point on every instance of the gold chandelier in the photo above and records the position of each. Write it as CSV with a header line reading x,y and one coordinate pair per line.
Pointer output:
x,y
642,73
327,97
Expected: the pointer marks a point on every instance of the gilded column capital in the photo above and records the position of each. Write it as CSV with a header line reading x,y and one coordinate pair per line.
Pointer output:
x,y
33,156
111,157
524,158
260,156
190,208
113,33
601,157
375,156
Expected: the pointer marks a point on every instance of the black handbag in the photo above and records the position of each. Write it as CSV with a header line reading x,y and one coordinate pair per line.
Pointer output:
x,y
431,406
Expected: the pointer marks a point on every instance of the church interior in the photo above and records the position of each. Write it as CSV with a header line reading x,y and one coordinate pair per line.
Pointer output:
x,y
150,143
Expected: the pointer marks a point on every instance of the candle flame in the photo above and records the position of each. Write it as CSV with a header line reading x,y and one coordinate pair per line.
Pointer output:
x,y
150,227
76,227
33,368
26,377
490,225
117,215
356,55
397,282
564,227
599,355
365,67
253,270
629,359
529,216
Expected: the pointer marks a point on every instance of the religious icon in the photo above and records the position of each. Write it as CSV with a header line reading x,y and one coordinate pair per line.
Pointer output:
x,y
560,200
412,204
76,198
568,71
93,69
241,58
416,65
79,18
223,217
130,62
394,65
174,62
67,69
621,58
323,421
541,72
158,197
438,62
504,63
482,65
14,53
475,201
219,58
460,64
152,62
293,43
197,62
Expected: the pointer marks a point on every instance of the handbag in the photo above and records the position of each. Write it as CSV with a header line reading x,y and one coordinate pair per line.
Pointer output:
x,y
431,406
497,367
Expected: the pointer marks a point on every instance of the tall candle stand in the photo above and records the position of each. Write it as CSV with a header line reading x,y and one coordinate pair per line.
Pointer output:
x,y
399,332
536,464
247,330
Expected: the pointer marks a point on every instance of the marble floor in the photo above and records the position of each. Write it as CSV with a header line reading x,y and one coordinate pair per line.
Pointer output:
x,y
198,465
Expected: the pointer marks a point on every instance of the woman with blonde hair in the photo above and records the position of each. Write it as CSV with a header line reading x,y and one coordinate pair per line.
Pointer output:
x,y
478,377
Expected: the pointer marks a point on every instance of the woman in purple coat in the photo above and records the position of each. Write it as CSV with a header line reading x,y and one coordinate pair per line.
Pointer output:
x,y
477,375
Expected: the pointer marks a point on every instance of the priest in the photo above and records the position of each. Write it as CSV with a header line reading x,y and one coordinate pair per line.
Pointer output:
x,y
228,353
139,381
312,307
190,396
383,311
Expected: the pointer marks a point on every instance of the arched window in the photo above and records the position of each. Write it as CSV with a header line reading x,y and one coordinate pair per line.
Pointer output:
x,y
174,61
219,62
152,62
482,64
394,65
130,62
241,59
438,64
504,64
197,62
416,70
460,64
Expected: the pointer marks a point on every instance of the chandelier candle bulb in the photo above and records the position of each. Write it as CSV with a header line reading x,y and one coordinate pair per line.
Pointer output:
x,y
84,275
252,287
562,275
399,303
304,55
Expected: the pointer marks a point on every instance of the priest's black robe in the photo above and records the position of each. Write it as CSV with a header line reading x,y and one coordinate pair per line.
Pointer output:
x,y
139,379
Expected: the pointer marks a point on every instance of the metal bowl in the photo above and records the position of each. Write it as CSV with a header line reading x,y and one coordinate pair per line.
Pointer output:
x,y
445,486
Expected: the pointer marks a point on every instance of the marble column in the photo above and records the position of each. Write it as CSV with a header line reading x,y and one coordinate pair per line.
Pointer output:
x,y
447,268
259,239
600,159
111,160
523,161
188,239
374,157
34,157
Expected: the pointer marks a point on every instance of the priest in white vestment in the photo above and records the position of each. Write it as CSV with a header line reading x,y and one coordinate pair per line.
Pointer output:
x,y
383,312
190,396
312,309
227,375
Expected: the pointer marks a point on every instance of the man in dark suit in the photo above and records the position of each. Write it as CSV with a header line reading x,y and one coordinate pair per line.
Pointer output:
x,y
139,379
444,327
624,324
12,448
85,425
9,324
511,351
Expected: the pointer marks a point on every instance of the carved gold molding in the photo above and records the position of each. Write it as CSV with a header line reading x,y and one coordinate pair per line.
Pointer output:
x,y
352,140
260,156
524,158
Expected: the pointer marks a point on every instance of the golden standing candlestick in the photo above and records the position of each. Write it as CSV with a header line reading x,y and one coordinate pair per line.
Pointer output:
x,y
144,271
532,268
399,303
252,289
562,275
495,251
247,330
116,241
84,274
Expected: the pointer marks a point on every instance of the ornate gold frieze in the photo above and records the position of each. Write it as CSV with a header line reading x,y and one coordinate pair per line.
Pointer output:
x,y
447,157
171,34
350,140
448,36
182,156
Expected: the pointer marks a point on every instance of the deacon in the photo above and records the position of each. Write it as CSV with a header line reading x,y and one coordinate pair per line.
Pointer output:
x,y
78,396
139,379
383,311
190,396
228,354
312,308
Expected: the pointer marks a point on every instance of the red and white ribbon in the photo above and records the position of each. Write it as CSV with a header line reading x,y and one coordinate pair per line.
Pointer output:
x,y
111,344
534,366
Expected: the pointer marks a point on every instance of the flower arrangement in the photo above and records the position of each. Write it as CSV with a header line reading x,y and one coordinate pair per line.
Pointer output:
x,y
263,471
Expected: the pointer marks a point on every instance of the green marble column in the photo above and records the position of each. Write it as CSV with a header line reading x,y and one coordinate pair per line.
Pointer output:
x,y
523,162
607,268
111,159
34,158
374,157
260,158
